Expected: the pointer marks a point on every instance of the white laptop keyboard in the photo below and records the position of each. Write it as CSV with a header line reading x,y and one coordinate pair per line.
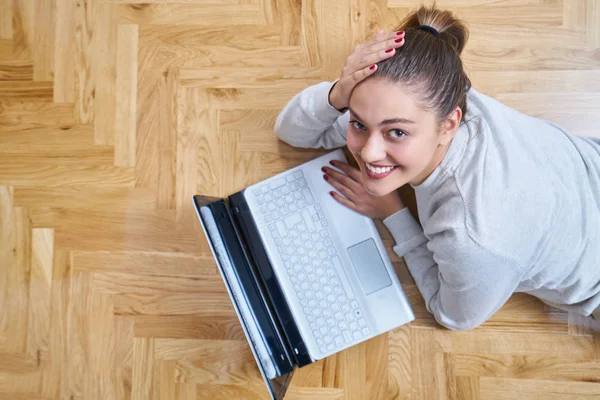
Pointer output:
x,y
301,234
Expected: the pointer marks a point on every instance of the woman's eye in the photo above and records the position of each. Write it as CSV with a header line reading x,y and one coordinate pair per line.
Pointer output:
x,y
396,133
357,125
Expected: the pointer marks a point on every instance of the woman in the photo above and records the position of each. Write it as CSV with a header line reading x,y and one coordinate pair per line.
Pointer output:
x,y
507,202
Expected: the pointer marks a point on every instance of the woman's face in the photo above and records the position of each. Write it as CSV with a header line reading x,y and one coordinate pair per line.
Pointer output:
x,y
393,139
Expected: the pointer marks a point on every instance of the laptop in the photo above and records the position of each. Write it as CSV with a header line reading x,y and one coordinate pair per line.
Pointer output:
x,y
307,276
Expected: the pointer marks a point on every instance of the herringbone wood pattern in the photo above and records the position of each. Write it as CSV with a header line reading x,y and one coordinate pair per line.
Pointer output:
x,y
113,114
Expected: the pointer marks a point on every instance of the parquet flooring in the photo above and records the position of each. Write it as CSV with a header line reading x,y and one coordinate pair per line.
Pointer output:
x,y
114,113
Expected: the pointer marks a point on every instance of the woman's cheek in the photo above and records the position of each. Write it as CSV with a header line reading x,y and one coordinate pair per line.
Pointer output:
x,y
353,142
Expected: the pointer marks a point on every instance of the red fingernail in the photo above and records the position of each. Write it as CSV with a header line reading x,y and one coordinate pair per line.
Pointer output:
x,y
372,67
331,193
389,50
399,40
331,162
325,177
323,169
400,33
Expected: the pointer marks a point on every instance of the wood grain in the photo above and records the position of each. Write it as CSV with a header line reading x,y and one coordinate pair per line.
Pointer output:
x,y
114,113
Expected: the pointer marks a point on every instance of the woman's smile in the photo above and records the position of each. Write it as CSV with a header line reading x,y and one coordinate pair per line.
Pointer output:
x,y
378,171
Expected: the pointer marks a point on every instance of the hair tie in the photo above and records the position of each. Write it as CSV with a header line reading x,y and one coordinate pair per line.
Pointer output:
x,y
429,29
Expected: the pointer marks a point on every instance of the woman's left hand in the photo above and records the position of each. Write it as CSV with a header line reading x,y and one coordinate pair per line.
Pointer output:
x,y
356,197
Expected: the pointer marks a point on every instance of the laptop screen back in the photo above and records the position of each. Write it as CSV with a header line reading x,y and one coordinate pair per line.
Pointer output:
x,y
210,213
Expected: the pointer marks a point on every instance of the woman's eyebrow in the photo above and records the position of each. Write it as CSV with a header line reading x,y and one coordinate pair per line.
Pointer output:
x,y
387,121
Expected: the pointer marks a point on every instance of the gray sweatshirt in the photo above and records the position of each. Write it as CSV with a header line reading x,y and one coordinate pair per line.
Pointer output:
x,y
513,207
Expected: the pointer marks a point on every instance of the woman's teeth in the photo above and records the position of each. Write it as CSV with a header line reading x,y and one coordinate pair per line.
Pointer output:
x,y
378,170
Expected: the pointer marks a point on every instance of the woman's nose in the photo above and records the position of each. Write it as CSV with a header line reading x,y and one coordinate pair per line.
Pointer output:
x,y
373,150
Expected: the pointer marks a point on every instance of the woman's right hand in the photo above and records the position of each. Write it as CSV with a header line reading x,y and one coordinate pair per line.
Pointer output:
x,y
362,63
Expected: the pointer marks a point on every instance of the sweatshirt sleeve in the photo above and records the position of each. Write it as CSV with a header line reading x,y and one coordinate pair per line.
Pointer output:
x,y
310,121
463,282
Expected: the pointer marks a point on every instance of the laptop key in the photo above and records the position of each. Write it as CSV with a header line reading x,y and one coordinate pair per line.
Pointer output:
x,y
342,275
347,336
281,228
308,196
308,221
276,183
338,341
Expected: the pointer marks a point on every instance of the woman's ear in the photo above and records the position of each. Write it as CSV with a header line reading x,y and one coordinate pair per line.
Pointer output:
x,y
450,126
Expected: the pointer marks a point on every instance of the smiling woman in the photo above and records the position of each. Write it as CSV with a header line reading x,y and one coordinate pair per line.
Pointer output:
x,y
388,128
486,177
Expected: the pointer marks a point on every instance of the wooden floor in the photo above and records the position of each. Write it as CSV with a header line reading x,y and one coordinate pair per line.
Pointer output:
x,y
113,114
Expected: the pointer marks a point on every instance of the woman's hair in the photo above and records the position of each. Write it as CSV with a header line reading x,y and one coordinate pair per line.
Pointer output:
x,y
430,66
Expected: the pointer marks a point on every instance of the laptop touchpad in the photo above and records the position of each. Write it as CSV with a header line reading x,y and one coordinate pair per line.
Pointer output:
x,y
371,271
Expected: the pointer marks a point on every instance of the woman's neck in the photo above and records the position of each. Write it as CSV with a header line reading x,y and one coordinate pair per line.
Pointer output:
x,y
436,160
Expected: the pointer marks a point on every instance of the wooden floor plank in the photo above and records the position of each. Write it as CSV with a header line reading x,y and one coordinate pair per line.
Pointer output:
x,y
115,113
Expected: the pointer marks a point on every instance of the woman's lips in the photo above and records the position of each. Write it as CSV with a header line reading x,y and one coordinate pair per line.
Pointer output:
x,y
377,172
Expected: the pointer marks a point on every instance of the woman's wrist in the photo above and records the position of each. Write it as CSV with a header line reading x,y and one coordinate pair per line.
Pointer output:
x,y
334,99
